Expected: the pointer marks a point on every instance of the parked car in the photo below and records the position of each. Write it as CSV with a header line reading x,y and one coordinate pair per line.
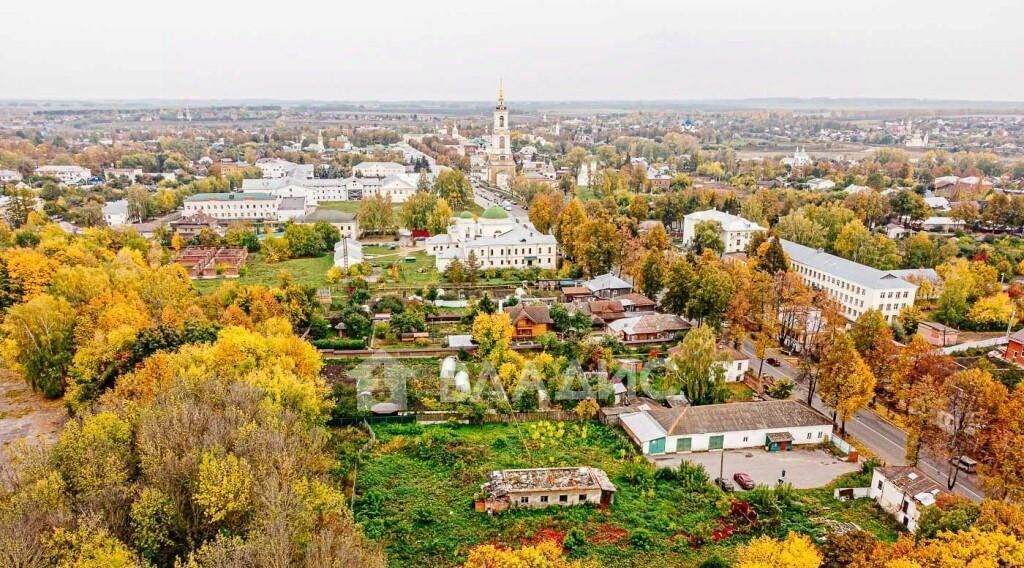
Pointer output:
x,y
964,463
744,480
725,484
773,361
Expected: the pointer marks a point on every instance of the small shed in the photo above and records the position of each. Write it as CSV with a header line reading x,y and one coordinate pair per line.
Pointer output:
x,y
778,441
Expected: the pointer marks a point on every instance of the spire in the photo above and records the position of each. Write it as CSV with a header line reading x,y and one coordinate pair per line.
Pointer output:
x,y
501,92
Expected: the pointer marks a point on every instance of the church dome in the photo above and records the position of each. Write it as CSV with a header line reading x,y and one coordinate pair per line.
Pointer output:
x,y
495,212
465,215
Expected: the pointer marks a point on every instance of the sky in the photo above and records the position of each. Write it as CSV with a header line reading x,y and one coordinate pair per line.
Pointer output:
x,y
344,50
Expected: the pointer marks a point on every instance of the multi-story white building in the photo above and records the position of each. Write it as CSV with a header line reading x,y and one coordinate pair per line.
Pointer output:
x,y
736,231
856,287
275,167
252,206
378,169
497,241
65,174
9,176
318,190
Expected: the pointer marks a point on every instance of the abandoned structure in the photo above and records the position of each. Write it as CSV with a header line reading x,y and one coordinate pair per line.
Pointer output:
x,y
212,262
545,487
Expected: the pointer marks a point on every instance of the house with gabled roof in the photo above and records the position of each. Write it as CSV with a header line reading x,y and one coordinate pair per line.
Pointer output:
x,y
529,322
607,285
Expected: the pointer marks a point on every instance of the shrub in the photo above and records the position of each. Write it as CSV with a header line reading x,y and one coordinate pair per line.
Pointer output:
x,y
574,539
341,344
641,539
783,388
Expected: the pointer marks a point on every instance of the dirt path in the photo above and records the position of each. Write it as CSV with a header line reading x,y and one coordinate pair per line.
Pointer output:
x,y
25,415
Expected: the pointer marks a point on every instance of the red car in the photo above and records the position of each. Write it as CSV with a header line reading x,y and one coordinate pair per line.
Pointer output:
x,y
744,480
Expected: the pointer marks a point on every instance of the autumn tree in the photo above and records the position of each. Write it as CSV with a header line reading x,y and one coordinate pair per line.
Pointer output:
x,y
866,329
697,369
846,382
376,214
415,212
439,218
569,229
795,551
39,342
971,396
545,208
547,554
453,186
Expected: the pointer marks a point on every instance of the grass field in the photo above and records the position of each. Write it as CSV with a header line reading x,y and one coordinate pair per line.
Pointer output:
x,y
353,207
416,490
312,271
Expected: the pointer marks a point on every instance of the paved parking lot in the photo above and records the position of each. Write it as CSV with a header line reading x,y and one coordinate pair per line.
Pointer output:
x,y
805,468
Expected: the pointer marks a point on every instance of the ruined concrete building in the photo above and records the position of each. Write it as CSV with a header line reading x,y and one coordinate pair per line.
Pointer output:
x,y
545,487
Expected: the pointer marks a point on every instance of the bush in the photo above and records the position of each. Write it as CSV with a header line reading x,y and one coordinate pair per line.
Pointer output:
x,y
782,389
641,539
574,539
341,344
689,476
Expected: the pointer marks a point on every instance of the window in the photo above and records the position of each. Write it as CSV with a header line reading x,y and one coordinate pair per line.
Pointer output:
x,y
744,438
808,435
879,484
563,498
583,497
543,498
524,499
820,435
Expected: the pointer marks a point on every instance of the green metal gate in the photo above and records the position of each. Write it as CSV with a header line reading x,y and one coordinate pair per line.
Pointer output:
x,y
716,442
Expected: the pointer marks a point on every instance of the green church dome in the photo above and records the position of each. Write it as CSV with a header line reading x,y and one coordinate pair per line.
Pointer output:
x,y
495,212
465,215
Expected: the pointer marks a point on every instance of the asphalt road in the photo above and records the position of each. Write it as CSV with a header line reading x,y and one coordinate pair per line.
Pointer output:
x,y
884,438
485,198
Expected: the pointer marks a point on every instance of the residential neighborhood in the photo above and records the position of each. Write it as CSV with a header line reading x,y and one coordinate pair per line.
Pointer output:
x,y
472,285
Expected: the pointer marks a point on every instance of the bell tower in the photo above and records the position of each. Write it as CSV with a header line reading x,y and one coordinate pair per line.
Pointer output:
x,y
501,167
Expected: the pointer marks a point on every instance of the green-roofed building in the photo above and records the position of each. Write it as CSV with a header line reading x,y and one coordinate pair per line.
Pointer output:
x,y
495,212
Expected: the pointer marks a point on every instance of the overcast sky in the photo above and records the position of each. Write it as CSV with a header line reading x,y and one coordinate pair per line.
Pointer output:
x,y
543,50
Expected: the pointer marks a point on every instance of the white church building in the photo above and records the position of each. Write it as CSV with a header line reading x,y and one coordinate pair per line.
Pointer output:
x,y
496,239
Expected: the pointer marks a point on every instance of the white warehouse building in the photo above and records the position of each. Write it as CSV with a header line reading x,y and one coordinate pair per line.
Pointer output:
x,y
775,425
856,287
736,231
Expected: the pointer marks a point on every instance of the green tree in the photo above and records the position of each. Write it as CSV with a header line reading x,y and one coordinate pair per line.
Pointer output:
x,y
866,330
39,342
452,186
697,370
707,235
415,212
303,240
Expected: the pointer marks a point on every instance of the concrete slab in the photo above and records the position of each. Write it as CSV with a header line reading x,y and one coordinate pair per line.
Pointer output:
x,y
806,468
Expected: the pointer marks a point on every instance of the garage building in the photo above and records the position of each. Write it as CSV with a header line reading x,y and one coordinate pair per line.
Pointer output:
x,y
775,425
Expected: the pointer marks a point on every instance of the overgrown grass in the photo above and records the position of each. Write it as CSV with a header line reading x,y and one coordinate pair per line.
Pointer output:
x,y
311,271
739,392
416,491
